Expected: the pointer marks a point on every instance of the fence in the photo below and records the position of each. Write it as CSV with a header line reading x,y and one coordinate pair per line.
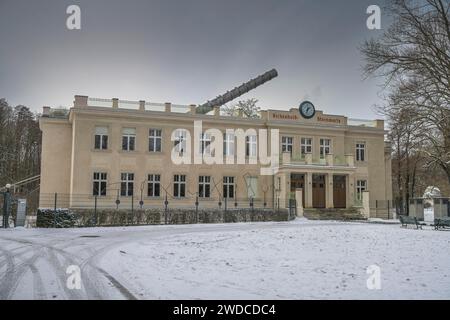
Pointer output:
x,y
167,209
386,209
85,201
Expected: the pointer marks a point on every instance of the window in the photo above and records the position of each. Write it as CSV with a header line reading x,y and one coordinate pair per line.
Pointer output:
x,y
128,139
179,185
286,144
252,186
228,187
325,147
101,138
306,145
360,151
205,142
154,140
180,141
204,186
361,185
99,184
228,144
154,185
126,185
250,146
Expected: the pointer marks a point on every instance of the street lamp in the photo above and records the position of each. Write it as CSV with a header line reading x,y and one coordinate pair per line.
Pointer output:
x,y
6,205
141,202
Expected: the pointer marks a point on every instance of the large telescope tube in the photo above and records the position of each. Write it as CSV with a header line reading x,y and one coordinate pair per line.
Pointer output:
x,y
236,92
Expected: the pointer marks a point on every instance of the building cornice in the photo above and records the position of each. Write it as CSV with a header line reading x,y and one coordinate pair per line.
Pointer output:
x,y
140,115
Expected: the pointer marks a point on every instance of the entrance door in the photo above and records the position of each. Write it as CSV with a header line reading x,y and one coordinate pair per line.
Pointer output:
x,y
339,192
298,181
318,187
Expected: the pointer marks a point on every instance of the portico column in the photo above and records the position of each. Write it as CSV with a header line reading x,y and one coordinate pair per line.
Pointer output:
x,y
350,184
283,192
329,190
308,190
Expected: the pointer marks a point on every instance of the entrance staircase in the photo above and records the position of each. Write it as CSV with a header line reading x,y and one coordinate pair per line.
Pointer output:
x,y
333,214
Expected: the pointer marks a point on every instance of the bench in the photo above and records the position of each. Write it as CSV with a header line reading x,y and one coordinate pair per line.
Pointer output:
x,y
441,223
405,220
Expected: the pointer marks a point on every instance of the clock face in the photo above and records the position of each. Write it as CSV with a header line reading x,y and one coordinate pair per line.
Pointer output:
x,y
307,110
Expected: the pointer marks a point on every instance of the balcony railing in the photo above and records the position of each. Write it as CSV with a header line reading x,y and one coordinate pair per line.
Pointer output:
x,y
59,113
361,123
307,159
84,101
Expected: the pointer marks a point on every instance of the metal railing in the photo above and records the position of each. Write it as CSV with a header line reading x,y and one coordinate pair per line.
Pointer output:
x,y
361,122
86,201
134,208
386,209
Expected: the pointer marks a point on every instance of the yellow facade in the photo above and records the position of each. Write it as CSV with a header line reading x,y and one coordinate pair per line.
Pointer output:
x,y
70,157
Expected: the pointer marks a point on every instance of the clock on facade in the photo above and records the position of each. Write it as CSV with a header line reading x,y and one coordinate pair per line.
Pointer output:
x,y
307,110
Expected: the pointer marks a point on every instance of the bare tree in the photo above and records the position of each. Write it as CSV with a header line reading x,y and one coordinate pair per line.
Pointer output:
x,y
413,56
247,107
20,143
405,137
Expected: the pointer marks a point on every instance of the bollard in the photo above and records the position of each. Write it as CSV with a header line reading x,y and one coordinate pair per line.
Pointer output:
x,y
196,209
54,212
95,210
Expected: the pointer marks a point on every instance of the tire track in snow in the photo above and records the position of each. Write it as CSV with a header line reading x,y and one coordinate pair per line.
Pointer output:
x,y
38,285
90,263
89,287
12,280
9,255
9,261
60,273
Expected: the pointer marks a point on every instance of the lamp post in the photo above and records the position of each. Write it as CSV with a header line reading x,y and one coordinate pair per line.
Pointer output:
x,y
141,202
6,205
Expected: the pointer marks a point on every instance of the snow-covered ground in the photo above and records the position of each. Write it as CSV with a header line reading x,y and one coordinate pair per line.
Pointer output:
x,y
286,260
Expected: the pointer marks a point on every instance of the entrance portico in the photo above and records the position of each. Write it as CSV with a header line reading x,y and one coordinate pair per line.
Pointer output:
x,y
323,185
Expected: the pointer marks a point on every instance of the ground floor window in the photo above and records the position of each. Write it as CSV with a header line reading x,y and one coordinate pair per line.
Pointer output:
x,y
361,185
179,185
99,184
154,185
252,187
127,184
204,186
228,187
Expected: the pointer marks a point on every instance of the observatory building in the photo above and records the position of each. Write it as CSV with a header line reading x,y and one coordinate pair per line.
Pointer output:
x,y
118,154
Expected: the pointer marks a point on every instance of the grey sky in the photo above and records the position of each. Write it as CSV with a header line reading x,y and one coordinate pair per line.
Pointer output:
x,y
187,51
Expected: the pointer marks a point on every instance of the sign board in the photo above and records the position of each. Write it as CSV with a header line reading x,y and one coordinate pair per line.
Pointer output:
x,y
21,212
328,119
308,115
